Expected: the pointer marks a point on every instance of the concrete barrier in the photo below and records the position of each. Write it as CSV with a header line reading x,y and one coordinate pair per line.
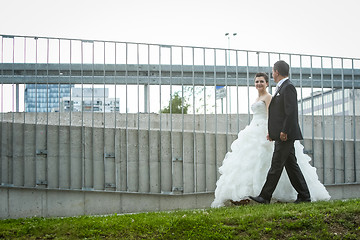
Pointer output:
x,y
133,169
29,202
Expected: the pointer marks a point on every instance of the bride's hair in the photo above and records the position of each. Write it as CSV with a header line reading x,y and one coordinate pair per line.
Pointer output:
x,y
262,74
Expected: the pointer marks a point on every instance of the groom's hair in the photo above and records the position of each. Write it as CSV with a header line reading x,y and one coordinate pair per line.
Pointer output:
x,y
282,67
262,74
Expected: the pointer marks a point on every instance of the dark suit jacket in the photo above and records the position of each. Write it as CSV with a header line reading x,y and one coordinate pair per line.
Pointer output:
x,y
283,113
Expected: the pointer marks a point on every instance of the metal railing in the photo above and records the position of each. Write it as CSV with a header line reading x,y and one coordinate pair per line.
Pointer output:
x,y
115,135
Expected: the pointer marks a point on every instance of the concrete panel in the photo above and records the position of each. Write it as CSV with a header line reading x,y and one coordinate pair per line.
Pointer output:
x,y
177,162
110,174
88,181
132,160
98,160
53,156
118,160
188,162
307,143
343,191
76,158
18,155
221,149
166,162
335,192
204,200
123,160
318,159
211,168
6,154
349,162
350,191
65,203
102,203
30,151
1,152
339,162
154,148
230,139
329,163
133,176
200,159
357,161
139,202
41,155
174,202
10,154
64,157
109,158
26,203
144,163
4,203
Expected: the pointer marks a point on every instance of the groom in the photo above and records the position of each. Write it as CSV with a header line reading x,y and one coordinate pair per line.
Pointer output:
x,y
283,127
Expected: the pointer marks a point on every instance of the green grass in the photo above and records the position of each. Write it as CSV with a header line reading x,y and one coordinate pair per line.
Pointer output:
x,y
318,220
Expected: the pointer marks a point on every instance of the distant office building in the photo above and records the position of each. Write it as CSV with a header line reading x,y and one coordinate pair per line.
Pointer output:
x,y
45,97
330,100
89,100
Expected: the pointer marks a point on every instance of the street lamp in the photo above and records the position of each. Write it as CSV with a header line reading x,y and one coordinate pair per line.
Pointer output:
x,y
228,35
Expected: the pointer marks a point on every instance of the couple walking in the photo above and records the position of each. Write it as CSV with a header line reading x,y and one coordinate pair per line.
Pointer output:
x,y
254,167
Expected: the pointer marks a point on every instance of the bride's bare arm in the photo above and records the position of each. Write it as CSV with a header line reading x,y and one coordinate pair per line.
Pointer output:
x,y
267,101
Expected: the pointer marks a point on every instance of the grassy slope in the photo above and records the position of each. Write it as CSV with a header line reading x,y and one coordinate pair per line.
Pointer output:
x,y
319,220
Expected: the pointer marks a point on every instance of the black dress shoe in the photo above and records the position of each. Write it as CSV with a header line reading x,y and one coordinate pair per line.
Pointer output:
x,y
301,200
260,200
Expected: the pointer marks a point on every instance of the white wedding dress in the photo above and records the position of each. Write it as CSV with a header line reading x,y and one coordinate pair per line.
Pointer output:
x,y
244,169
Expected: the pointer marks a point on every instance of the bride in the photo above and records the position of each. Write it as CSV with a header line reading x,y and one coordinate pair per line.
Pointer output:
x,y
244,169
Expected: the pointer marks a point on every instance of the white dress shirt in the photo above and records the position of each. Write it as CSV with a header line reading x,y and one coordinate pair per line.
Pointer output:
x,y
280,82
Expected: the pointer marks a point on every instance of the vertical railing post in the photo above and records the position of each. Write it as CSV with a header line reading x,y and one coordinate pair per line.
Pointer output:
x,y
333,119
322,120
354,117
343,115
312,112
248,85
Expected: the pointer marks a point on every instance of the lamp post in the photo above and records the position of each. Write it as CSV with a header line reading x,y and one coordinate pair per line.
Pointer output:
x,y
228,35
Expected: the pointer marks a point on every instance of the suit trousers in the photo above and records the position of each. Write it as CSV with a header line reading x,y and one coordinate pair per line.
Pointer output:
x,y
284,156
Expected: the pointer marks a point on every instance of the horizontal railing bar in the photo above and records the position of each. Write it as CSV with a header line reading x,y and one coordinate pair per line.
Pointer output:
x,y
176,46
129,74
143,80
154,68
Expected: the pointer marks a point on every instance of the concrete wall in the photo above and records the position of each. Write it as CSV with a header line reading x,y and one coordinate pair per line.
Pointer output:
x,y
221,123
84,158
21,203
26,202
48,170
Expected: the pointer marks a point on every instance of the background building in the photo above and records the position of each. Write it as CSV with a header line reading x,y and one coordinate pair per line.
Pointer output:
x,y
45,97
331,101
89,100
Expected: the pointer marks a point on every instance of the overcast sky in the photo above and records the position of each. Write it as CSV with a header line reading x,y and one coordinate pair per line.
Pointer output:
x,y
320,27
317,27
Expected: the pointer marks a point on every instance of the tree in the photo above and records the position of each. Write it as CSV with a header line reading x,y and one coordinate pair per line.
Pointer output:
x,y
177,105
